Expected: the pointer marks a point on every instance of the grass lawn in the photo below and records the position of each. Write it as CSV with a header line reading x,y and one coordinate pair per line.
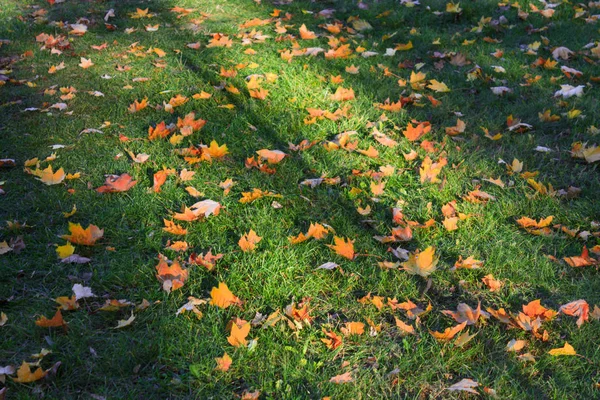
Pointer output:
x,y
424,146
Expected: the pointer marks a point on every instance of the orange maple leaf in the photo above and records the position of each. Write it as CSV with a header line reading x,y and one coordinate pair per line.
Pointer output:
x,y
249,240
56,321
223,363
160,131
138,105
222,297
584,260
238,334
171,276
448,333
86,237
116,183
429,170
344,248
353,328
413,133
577,308
342,94
306,34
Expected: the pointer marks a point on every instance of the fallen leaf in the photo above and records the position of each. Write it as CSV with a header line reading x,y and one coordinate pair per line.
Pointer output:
x,y
566,350
421,263
222,297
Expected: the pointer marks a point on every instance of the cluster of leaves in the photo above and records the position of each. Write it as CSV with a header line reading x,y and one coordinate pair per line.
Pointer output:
x,y
392,140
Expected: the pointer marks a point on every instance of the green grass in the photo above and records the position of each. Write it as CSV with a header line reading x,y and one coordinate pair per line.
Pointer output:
x,y
162,355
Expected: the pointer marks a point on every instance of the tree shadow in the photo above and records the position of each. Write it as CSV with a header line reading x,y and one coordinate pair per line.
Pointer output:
x,y
254,125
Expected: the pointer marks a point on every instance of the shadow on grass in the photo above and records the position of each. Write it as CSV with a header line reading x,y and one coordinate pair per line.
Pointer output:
x,y
158,358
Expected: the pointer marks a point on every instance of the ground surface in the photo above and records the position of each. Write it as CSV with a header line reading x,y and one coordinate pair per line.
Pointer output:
x,y
262,84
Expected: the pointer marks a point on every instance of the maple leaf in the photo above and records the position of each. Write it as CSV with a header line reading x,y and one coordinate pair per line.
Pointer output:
x,y
306,34
353,328
448,333
501,315
300,314
214,150
24,374
160,178
122,323
421,263
205,208
65,250
223,363
467,263
201,96
464,313
405,329
465,385
173,228
207,260
249,240
222,297
450,223
457,129
178,246
82,292
342,94
439,87
56,321
116,183
137,106
577,308
238,334
370,152
417,80
317,231
160,131
49,177
333,340
534,309
478,196
493,284
85,63
171,276
344,248
566,350
86,237
342,378
259,93
187,215
536,227
272,156
583,260
516,345
429,170
186,175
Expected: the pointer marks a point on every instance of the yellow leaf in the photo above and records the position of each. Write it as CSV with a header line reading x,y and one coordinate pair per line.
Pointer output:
x,y
421,263
566,350
49,177
65,251
439,87
24,374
